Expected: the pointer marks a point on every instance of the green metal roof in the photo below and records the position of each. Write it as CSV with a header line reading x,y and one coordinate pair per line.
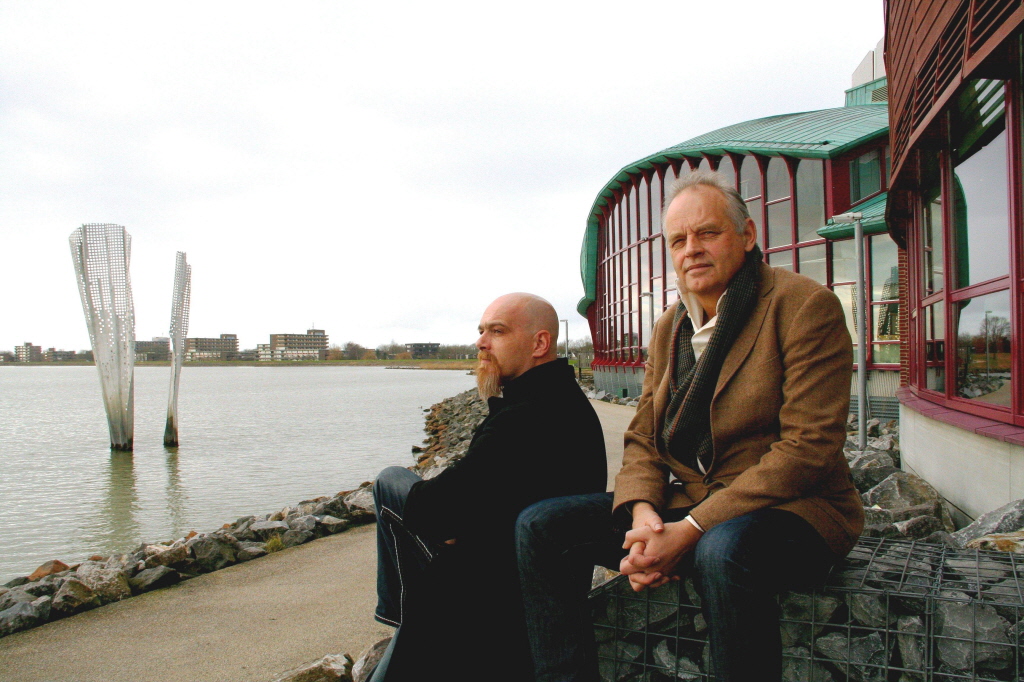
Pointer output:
x,y
821,134
872,219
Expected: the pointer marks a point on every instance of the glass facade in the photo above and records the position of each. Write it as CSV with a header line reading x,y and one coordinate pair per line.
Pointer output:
x,y
965,261
787,201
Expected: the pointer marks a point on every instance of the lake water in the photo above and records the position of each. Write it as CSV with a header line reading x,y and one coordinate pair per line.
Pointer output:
x,y
252,440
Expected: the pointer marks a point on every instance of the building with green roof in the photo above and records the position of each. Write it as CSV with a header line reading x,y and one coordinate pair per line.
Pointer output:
x,y
794,171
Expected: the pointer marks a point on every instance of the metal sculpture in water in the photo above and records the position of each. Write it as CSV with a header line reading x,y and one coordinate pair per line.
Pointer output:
x,y
179,329
102,254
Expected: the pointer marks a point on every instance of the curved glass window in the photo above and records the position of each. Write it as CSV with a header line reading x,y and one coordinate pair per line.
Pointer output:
x,y
750,190
983,349
780,211
981,215
656,199
934,320
844,261
781,259
932,268
810,198
812,262
643,197
726,168
777,179
865,175
628,215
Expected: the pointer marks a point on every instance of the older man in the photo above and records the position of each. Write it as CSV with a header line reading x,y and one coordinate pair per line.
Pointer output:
x,y
733,466
446,556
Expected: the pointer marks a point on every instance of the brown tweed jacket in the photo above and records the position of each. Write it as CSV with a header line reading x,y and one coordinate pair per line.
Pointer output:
x,y
778,419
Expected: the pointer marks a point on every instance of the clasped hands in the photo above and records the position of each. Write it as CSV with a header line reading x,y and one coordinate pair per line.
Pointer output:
x,y
655,547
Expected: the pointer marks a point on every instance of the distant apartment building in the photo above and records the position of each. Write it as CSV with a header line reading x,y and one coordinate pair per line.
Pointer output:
x,y
247,355
421,351
54,355
223,348
309,346
8,356
157,350
28,353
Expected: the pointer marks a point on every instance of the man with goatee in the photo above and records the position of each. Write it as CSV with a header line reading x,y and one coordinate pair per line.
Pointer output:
x,y
447,576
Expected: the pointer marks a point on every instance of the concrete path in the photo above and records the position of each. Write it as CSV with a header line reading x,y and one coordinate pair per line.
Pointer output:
x,y
245,623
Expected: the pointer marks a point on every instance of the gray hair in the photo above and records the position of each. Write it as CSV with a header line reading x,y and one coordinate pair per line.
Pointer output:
x,y
735,207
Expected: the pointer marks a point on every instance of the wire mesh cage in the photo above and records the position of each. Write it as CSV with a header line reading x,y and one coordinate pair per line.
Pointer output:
x,y
893,611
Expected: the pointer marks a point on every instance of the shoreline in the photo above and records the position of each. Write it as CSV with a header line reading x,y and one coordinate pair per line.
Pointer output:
x,y
387,364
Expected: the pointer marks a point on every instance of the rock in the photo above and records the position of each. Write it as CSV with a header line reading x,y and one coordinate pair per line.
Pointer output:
x,y
306,523
913,642
368,660
162,555
798,667
24,615
870,609
73,596
241,528
804,608
45,587
154,578
601,576
327,669
901,490
264,530
874,516
250,551
919,527
1001,542
681,667
865,654
961,626
296,537
941,537
866,478
335,507
16,596
863,459
16,582
360,501
108,584
211,552
691,592
874,428
1005,519
332,524
49,568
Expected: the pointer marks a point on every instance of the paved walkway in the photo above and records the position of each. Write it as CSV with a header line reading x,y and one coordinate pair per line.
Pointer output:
x,y
245,623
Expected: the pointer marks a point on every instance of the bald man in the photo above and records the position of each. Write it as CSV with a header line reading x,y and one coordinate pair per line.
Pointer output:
x,y
446,561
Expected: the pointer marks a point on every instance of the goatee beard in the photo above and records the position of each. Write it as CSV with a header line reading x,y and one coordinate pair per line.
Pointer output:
x,y
488,376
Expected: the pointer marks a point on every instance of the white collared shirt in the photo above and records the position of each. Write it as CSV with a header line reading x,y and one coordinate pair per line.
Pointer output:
x,y
701,329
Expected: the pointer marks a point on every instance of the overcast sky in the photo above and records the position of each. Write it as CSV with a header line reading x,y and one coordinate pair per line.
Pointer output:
x,y
380,170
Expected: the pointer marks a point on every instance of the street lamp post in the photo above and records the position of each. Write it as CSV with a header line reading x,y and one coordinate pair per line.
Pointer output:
x,y
862,327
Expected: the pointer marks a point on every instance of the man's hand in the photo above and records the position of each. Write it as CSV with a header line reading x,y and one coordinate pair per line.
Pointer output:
x,y
450,542
644,516
654,555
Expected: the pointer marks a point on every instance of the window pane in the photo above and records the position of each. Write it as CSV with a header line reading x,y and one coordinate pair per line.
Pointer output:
x,y
726,168
846,294
885,279
645,266
886,353
885,322
781,259
810,198
754,207
656,199
777,179
983,349
931,241
934,347
981,215
643,213
865,175
780,224
844,261
750,178
629,216
704,165
812,262
658,262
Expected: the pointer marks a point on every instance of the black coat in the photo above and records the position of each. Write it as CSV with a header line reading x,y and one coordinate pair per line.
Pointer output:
x,y
541,439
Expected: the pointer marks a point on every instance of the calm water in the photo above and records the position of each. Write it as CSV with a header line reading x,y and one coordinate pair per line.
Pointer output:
x,y
253,439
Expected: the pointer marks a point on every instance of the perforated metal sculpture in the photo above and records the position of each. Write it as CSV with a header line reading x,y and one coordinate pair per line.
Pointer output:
x,y
179,329
102,255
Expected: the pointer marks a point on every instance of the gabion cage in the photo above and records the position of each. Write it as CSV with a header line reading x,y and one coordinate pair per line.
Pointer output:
x,y
893,611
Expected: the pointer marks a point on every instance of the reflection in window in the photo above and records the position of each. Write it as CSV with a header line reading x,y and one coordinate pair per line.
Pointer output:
x,y
726,168
865,175
750,190
847,299
781,259
931,243
643,211
780,217
983,349
885,276
886,353
812,263
885,322
810,198
656,200
981,215
844,261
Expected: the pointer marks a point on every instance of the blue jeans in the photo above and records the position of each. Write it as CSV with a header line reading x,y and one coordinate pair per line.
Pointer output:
x,y
402,558
739,566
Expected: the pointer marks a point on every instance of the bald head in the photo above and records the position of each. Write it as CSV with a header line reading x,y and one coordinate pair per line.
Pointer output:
x,y
518,332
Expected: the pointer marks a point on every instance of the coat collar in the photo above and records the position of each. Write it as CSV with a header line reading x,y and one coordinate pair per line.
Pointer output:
x,y
535,382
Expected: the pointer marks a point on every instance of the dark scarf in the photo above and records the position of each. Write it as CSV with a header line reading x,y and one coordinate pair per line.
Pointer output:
x,y
687,429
